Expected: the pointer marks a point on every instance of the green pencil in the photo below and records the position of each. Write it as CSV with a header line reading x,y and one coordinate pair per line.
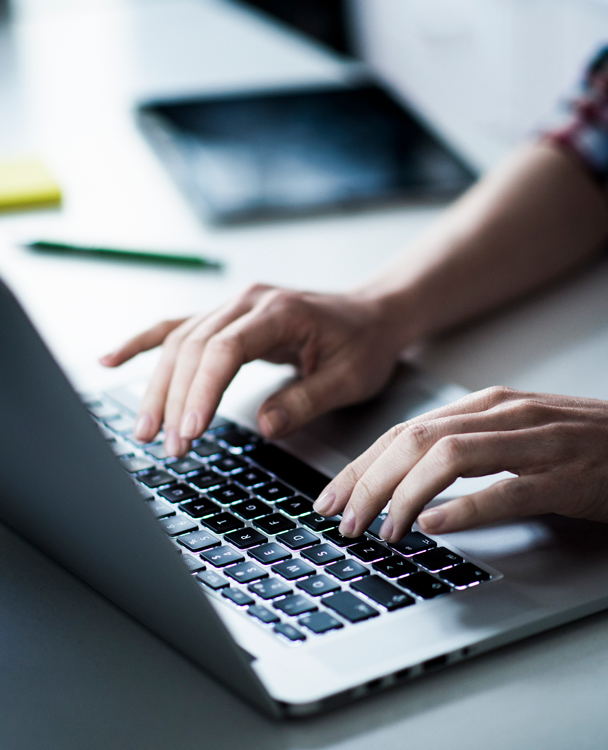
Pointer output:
x,y
121,254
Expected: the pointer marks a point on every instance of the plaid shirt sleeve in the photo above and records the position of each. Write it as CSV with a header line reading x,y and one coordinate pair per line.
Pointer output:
x,y
585,133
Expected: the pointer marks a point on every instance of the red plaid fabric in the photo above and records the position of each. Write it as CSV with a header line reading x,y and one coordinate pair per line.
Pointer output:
x,y
585,133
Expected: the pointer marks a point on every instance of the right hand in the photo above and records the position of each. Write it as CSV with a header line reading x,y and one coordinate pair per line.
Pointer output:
x,y
344,347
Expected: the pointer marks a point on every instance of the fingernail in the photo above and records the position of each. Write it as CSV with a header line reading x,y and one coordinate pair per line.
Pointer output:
x,y
190,426
386,530
275,421
173,443
432,520
324,503
347,525
143,427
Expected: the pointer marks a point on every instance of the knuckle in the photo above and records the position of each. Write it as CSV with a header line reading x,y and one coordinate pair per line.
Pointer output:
x,y
366,490
514,495
224,343
255,290
469,510
281,301
496,394
415,434
450,450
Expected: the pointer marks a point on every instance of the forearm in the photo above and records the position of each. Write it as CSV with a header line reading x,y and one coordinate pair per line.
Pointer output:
x,y
536,216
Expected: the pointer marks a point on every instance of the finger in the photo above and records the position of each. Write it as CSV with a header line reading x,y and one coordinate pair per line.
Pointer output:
x,y
412,440
151,410
466,455
510,498
249,337
143,342
298,403
183,422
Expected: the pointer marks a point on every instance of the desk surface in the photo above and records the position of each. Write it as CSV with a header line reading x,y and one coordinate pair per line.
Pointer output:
x,y
78,673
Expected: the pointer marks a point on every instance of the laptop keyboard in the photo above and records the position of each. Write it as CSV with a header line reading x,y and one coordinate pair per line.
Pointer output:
x,y
239,511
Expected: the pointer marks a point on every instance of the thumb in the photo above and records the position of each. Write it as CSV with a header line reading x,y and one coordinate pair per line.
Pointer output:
x,y
299,403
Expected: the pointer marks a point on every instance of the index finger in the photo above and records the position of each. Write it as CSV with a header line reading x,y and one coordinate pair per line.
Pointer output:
x,y
250,337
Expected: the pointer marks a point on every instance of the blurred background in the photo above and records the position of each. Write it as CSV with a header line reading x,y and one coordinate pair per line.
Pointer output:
x,y
481,75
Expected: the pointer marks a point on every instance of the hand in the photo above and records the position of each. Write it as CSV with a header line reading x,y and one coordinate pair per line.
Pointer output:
x,y
556,445
343,346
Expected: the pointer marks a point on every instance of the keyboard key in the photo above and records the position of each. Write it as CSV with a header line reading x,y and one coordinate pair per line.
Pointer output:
x,y
160,508
222,556
263,614
395,566
238,597
246,572
156,478
346,570
319,523
274,524
318,585
229,494
193,563
424,585
245,538
184,465
290,469
270,588
333,535
178,493
177,525
212,580
350,606
320,622
289,632
120,448
228,464
438,559
274,491
292,569
376,524
369,551
206,479
102,410
218,423
237,438
413,543
222,523
322,554
295,506
295,605
143,492
298,538
251,508
205,448
157,450
121,424
383,592
199,507
250,477
269,553
198,541
465,575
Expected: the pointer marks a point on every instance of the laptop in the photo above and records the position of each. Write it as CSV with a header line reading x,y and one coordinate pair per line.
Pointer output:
x,y
220,554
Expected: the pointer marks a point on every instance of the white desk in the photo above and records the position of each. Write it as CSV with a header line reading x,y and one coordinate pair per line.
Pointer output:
x,y
76,672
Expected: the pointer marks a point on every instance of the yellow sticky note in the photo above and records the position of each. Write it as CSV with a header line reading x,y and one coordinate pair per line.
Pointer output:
x,y
26,183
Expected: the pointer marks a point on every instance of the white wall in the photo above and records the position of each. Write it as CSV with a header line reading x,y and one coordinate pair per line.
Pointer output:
x,y
489,72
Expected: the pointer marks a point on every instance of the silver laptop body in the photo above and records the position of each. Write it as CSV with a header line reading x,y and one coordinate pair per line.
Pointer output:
x,y
62,488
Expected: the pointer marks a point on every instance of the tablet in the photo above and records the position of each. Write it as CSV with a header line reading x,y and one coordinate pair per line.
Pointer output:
x,y
264,155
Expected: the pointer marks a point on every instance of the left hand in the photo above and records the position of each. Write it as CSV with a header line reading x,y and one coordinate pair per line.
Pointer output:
x,y
556,445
